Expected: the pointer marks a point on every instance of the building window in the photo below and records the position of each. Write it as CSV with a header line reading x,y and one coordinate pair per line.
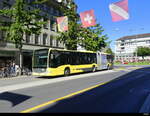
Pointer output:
x,y
45,8
122,44
6,4
52,25
148,42
57,43
122,48
36,39
3,35
55,12
51,40
52,10
44,38
27,38
49,10
45,25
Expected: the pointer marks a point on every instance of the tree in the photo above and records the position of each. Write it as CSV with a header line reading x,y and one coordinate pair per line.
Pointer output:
x,y
89,38
143,51
92,38
70,37
23,20
109,51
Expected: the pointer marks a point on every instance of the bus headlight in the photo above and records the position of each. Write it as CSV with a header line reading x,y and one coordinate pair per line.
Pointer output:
x,y
48,71
43,70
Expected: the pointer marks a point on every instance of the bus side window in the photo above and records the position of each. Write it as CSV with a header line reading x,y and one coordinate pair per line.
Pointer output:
x,y
85,58
81,58
52,60
78,58
62,58
94,58
88,58
71,58
74,58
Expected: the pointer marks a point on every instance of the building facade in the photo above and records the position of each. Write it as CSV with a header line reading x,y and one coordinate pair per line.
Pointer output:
x,y
125,47
47,38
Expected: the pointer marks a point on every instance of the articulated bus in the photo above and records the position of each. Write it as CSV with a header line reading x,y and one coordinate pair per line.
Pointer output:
x,y
55,62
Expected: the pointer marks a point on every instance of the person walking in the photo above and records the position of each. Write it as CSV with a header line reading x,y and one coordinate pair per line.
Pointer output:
x,y
17,70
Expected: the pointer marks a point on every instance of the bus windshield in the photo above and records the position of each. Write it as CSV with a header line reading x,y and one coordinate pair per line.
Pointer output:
x,y
40,58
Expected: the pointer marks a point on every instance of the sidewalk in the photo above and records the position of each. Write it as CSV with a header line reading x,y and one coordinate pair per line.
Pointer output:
x,y
17,80
26,79
126,65
32,81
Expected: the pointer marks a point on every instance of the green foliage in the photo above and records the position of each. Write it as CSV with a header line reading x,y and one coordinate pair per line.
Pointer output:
x,y
143,51
92,38
109,51
89,38
22,20
70,37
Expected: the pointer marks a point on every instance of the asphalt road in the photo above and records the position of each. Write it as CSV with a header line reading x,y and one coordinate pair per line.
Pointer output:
x,y
117,91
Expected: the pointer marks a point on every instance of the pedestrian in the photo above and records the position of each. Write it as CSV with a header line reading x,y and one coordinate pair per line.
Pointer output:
x,y
13,69
17,70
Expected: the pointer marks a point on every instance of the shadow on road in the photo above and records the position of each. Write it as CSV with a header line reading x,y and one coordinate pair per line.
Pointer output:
x,y
53,77
125,94
14,98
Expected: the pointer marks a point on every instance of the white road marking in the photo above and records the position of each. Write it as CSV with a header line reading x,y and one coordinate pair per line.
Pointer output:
x,y
146,105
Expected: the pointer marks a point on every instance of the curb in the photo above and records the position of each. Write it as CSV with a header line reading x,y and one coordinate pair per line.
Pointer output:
x,y
17,77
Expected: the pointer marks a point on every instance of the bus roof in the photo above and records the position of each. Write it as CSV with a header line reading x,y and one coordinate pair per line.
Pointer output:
x,y
72,50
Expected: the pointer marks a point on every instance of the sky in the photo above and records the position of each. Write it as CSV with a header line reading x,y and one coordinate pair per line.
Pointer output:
x,y
138,23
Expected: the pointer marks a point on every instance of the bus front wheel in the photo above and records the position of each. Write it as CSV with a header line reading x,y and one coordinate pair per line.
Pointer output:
x,y
67,71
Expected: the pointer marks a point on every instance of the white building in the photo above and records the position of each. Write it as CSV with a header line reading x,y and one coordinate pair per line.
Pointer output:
x,y
125,47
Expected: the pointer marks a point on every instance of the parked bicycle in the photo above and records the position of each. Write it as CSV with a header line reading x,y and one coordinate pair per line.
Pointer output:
x,y
1,74
26,71
9,72
13,71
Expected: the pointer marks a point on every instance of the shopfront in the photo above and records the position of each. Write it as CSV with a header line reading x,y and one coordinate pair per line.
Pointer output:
x,y
6,57
27,59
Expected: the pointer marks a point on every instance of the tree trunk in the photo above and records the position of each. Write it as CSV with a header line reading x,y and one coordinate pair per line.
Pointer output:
x,y
143,57
20,59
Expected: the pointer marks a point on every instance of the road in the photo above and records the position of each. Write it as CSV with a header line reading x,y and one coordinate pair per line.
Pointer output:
x,y
121,90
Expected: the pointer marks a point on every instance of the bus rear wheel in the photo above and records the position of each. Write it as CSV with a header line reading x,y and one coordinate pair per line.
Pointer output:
x,y
67,72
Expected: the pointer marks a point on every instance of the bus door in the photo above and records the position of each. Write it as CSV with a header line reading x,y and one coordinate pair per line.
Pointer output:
x,y
98,60
103,61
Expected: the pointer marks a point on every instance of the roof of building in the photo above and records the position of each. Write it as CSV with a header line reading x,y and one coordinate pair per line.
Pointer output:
x,y
135,36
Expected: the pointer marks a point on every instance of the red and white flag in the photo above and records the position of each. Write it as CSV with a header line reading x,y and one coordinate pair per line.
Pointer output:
x,y
119,10
87,18
62,23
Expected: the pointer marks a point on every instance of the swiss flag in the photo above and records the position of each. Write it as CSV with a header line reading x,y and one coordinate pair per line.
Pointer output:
x,y
119,10
87,18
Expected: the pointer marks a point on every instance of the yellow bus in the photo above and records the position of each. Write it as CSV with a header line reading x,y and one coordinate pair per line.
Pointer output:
x,y
55,62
